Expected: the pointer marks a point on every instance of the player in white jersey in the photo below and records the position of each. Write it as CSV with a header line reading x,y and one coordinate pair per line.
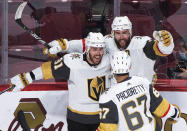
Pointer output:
x,y
87,76
129,104
143,49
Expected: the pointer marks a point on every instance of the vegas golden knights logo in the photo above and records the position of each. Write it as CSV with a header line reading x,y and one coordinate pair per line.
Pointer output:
x,y
95,87
37,113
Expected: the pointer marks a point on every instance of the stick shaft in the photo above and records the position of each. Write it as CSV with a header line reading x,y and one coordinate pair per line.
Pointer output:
x,y
9,88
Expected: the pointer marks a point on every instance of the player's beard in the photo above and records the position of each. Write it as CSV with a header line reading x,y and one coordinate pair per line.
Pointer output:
x,y
127,42
94,60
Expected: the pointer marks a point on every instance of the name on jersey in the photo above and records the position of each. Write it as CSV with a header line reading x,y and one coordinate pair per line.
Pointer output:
x,y
130,92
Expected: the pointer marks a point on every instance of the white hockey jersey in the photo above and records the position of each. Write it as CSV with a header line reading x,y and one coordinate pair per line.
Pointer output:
x,y
85,84
141,64
143,60
128,105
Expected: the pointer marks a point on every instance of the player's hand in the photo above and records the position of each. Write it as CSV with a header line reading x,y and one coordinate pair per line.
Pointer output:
x,y
56,46
163,37
46,52
173,119
20,81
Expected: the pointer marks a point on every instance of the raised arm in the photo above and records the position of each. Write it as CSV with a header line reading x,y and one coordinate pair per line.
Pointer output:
x,y
48,70
65,46
162,45
161,108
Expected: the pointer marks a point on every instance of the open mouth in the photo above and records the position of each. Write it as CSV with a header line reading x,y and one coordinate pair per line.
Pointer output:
x,y
97,58
122,41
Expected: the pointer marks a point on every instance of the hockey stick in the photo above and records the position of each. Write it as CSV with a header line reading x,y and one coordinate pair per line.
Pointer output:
x,y
158,16
11,87
21,119
30,5
19,22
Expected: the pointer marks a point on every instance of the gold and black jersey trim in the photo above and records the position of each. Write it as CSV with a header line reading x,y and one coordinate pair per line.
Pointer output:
x,y
60,70
107,127
83,113
162,109
83,117
46,70
112,115
158,105
149,51
155,101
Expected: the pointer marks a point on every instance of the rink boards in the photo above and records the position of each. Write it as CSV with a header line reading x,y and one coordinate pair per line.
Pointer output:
x,y
44,105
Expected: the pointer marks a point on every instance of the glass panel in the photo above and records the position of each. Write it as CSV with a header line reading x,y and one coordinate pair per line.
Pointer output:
x,y
142,14
4,42
24,50
50,20
73,19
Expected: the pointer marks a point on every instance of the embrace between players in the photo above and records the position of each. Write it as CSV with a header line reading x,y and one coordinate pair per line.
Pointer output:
x,y
109,79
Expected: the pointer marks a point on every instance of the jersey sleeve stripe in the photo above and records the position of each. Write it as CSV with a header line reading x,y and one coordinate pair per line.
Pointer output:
x,y
46,70
149,51
83,113
162,108
166,111
107,127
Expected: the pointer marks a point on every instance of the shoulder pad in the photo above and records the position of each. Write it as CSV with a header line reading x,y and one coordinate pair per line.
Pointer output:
x,y
142,38
138,42
71,58
141,79
75,56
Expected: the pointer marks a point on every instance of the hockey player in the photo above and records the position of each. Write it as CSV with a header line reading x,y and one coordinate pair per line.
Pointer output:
x,y
87,76
127,105
143,49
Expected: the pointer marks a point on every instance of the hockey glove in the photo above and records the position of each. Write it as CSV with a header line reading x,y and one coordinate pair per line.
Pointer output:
x,y
173,119
46,52
163,42
56,47
20,81
163,36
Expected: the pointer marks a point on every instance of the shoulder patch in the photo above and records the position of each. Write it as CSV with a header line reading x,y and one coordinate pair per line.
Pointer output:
x,y
142,38
137,37
75,56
